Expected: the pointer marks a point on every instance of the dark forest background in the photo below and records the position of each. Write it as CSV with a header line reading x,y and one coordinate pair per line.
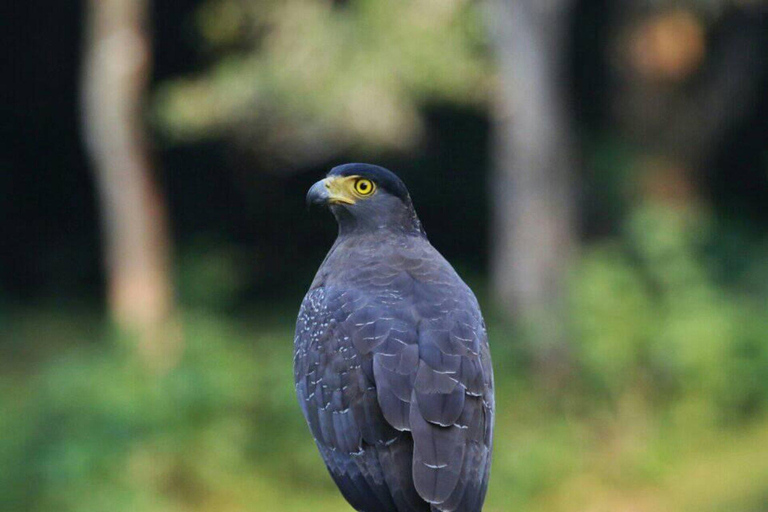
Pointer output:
x,y
597,171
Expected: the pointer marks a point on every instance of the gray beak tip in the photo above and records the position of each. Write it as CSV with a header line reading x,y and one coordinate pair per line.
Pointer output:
x,y
318,194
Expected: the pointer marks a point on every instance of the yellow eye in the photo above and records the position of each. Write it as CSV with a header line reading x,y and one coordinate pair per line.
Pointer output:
x,y
364,187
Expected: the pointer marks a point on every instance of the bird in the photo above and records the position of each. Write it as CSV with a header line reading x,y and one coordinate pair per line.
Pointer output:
x,y
392,366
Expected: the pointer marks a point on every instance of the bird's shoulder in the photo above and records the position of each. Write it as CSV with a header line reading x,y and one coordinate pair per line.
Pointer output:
x,y
390,295
368,263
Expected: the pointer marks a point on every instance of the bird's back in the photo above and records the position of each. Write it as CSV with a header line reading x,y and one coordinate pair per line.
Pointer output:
x,y
393,374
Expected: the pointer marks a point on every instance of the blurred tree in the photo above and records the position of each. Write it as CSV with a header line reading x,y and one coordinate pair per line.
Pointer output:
x,y
685,74
533,188
298,82
115,75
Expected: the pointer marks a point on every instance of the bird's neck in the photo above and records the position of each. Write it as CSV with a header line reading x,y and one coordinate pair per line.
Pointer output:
x,y
389,223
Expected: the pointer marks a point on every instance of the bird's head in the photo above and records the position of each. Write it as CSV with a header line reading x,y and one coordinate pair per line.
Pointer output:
x,y
365,198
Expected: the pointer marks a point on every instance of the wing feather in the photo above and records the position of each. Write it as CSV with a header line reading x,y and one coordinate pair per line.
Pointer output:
x,y
440,390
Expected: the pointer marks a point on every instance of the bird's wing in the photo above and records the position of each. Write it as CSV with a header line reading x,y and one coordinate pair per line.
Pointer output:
x,y
441,390
334,381
432,372
368,459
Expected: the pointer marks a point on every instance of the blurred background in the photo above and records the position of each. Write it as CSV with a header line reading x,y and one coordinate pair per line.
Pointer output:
x,y
597,171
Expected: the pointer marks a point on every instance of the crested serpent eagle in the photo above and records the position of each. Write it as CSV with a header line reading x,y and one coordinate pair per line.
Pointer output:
x,y
391,360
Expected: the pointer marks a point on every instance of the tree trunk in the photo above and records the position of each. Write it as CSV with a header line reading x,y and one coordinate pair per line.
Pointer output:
x,y
534,228
116,72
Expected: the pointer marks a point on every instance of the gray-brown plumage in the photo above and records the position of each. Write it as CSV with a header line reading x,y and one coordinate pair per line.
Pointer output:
x,y
391,363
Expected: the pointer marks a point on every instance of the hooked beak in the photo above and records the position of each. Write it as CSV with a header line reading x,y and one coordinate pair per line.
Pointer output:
x,y
318,194
327,191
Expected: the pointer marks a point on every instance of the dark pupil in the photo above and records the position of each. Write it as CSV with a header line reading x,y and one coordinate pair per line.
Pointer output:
x,y
363,187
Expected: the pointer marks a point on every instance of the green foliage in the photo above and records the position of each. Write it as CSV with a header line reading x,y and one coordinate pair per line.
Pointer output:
x,y
298,79
650,314
211,275
97,430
